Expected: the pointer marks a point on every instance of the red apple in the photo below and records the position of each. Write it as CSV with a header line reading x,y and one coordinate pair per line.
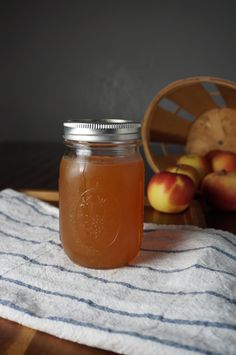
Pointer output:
x,y
209,155
219,189
223,160
188,170
169,192
199,162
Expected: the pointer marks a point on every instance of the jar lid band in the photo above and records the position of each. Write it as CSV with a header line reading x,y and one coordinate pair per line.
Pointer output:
x,y
105,130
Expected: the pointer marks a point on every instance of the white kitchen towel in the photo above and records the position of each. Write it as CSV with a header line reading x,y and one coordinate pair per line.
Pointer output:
x,y
177,297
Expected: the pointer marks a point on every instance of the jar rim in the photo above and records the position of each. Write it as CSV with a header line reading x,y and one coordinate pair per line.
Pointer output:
x,y
104,130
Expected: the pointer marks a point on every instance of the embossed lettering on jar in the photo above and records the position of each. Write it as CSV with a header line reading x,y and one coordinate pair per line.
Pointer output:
x,y
101,192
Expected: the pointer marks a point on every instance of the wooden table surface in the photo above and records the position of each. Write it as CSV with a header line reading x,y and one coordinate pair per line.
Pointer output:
x,y
34,166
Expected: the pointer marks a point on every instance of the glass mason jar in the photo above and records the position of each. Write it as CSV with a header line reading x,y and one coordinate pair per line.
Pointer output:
x,y
101,192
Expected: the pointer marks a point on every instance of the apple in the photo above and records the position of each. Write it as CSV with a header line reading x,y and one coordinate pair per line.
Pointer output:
x,y
209,155
223,160
219,189
188,170
199,162
170,192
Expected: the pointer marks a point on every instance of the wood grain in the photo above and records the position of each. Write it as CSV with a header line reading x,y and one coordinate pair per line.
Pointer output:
x,y
9,332
44,195
47,344
191,216
160,130
21,341
229,95
30,165
193,98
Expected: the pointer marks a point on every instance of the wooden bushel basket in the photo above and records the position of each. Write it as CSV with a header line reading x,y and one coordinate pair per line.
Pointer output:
x,y
177,107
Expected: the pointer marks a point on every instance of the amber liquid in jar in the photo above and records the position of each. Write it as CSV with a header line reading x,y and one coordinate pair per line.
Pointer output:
x,y
101,207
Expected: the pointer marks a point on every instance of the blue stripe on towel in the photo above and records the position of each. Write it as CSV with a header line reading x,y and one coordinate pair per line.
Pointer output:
x,y
225,238
107,309
166,271
8,235
26,202
189,250
197,266
165,342
186,229
142,249
27,223
33,206
122,283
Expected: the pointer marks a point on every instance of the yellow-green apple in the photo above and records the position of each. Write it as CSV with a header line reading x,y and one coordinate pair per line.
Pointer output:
x,y
219,189
188,170
199,162
170,192
223,160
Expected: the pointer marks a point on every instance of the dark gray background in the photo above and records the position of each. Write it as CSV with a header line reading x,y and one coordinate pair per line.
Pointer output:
x,y
105,58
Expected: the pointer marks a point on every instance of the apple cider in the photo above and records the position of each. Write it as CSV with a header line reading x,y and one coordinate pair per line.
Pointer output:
x,y
101,188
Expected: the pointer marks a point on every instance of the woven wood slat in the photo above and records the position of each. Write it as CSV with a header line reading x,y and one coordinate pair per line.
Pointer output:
x,y
161,123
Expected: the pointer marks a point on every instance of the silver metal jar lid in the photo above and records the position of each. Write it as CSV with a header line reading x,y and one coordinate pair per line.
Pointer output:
x,y
105,130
